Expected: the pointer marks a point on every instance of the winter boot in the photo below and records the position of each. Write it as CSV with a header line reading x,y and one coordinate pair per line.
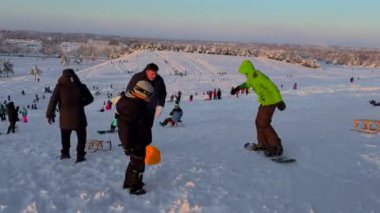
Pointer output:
x,y
64,155
127,185
127,179
259,147
80,157
136,186
274,152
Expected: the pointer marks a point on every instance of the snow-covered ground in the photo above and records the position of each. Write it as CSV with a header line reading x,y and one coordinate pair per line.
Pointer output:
x,y
204,167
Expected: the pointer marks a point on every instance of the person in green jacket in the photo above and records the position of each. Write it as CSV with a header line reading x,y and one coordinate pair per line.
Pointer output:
x,y
269,98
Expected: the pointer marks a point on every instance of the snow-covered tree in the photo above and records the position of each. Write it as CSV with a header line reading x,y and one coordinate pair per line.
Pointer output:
x,y
65,60
78,59
7,67
35,71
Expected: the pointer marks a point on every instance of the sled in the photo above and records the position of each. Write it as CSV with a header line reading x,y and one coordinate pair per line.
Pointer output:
x,y
106,131
95,145
176,124
366,126
173,124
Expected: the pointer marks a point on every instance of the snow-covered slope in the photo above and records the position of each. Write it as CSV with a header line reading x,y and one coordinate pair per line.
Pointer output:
x,y
204,167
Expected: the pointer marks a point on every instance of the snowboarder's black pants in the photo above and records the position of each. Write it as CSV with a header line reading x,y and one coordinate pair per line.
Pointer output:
x,y
65,138
11,127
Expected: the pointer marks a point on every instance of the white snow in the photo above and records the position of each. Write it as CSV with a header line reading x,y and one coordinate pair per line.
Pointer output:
x,y
204,167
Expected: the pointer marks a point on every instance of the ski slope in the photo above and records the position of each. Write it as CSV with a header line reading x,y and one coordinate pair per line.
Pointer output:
x,y
204,167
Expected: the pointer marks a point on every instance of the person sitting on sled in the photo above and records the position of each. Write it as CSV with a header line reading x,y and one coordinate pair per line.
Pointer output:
x,y
176,115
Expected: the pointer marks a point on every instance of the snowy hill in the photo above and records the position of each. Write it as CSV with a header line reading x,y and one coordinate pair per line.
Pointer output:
x,y
204,167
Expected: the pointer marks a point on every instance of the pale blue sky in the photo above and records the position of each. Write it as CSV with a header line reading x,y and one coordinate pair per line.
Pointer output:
x,y
321,22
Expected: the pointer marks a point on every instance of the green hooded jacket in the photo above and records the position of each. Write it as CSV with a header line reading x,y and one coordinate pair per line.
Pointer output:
x,y
265,89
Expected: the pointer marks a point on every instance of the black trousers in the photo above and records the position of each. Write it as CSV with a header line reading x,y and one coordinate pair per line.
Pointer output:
x,y
11,127
65,139
136,167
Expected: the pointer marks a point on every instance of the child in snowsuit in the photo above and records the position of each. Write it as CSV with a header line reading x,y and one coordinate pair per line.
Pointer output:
x,y
24,114
134,131
176,115
269,98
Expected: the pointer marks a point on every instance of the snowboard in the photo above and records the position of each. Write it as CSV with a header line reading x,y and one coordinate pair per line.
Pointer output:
x,y
277,159
106,131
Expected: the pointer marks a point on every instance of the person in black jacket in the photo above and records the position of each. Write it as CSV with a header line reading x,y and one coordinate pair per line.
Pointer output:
x,y
134,132
72,96
12,116
157,101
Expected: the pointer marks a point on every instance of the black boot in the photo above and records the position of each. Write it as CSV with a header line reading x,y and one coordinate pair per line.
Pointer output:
x,y
128,176
275,151
80,157
259,147
136,186
64,154
127,185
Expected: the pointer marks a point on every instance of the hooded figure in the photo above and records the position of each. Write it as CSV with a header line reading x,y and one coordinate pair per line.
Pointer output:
x,y
71,96
269,98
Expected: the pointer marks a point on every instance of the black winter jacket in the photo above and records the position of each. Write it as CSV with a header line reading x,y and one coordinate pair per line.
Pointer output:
x,y
71,96
12,113
133,128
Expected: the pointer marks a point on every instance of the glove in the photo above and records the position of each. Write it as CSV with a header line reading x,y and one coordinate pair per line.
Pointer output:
x,y
372,102
127,152
158,111
50,120
235,90
281,106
